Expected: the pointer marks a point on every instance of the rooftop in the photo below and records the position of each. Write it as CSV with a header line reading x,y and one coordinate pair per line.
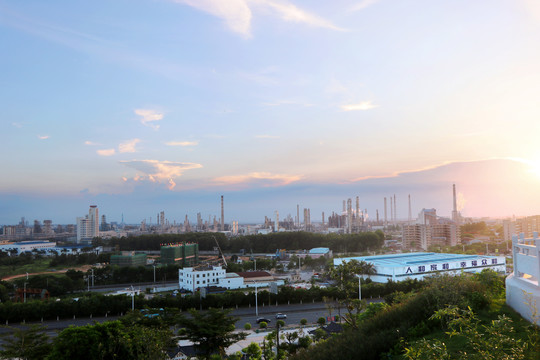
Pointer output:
x,y
407,259
319,250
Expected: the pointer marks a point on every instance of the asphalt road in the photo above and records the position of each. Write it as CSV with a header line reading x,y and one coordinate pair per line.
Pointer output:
x,y
295,312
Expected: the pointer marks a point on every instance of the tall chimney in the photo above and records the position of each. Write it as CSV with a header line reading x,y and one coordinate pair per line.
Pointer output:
x,y
222,215
385,213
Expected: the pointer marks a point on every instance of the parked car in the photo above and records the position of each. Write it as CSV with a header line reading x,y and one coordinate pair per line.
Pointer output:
x,y
281,316
261,319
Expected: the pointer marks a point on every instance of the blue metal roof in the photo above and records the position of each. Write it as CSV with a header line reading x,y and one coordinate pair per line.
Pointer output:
x,y
414,258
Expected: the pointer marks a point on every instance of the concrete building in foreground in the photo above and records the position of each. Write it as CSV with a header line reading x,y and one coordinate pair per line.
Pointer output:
x,y
399,267
522,286
192,279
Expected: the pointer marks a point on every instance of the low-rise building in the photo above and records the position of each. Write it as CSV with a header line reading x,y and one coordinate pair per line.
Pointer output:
x,y
192,279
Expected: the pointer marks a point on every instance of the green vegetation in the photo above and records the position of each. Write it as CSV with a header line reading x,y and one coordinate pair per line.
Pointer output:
x,y
387,331
211,331
257,243
27,343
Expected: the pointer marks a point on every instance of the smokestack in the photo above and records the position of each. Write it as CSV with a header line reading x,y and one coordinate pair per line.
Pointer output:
x,y
395,210
385,214
455,199
455,214
222,215
391,211
323,219
357,212
410,214
298,215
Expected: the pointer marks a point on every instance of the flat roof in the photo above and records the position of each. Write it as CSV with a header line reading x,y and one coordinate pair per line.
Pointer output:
x,y
319,250
407,259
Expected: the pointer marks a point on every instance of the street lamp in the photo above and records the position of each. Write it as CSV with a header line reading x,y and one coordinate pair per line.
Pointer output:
x,y
132,298
256,305
154,273
359,287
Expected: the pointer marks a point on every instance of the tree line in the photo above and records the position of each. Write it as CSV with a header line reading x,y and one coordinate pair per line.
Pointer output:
x,y
257,243
95,304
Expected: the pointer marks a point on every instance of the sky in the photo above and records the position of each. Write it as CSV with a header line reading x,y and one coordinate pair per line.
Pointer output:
x,y
144,106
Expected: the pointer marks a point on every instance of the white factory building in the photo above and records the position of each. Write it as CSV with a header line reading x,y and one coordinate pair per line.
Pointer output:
x,y
399,267
192,279
522,286
28,246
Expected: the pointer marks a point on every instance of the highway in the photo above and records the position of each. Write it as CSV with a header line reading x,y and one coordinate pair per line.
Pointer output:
x,y
295,312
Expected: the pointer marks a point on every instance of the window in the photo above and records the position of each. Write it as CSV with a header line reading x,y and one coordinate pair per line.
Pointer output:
x,y
197,282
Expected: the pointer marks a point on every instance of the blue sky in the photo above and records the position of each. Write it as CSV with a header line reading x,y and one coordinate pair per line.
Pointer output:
x,y
148,105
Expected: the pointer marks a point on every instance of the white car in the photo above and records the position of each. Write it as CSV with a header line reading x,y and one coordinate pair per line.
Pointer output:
x,y
281,316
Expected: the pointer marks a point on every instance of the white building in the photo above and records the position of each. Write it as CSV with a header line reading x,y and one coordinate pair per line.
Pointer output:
x,y
522,286
191,279
28,246
88,226
399,267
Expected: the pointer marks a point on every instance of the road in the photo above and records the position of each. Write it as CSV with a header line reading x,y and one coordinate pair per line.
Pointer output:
x,y
295,312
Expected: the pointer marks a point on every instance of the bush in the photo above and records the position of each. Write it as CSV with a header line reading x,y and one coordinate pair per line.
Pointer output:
x,y
247,326
263,325
303,322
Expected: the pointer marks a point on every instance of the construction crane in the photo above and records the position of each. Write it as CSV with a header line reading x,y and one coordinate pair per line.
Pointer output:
x,y
221,252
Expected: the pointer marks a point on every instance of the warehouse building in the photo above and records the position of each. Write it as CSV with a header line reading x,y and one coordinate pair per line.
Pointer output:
x,y
399,267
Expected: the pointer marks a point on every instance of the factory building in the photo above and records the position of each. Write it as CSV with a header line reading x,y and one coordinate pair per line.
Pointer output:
x,y
399,267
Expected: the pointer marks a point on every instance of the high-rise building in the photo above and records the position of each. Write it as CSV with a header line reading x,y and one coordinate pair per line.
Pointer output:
x,y
88,226
429,230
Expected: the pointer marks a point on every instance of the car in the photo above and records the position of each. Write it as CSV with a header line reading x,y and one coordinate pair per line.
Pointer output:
x,y
261,319
281,316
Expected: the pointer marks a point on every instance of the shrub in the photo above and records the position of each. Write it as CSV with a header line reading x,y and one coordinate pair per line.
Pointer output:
x,y
247,326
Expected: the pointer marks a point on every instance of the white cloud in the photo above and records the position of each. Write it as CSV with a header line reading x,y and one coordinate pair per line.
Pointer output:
x,y
91,143
363,4
290,12
182,143
237,14
267,179
160,171
43,137
128,146
106,152
148,117
364,105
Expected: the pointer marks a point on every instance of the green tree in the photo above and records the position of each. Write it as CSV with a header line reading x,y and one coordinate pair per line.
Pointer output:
x,y
27,343
111,340
253,351
247,326
303,322
494,341
211,331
